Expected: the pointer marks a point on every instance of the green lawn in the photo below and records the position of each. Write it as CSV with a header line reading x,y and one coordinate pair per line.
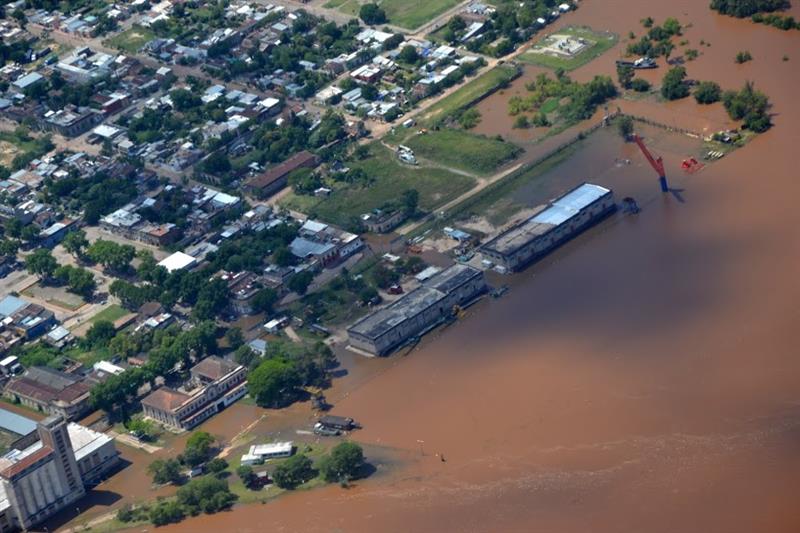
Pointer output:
x,y
409,14
131,40
470,93
601,42
463,150
412,14
111,313
391,179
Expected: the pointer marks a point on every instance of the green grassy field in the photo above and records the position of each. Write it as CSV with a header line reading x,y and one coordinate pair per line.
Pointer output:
x,y
392,179
469,93
131,40
409,14
463,150
601,42
111,313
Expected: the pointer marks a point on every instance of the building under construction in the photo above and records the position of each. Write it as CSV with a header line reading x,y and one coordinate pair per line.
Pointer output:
x,y
558,222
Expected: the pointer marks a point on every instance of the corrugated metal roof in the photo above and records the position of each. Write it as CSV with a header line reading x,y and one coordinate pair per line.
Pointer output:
x,y
10,305
15,423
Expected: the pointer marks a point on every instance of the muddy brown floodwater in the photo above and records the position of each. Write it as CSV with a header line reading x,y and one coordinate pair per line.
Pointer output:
x,y
643,378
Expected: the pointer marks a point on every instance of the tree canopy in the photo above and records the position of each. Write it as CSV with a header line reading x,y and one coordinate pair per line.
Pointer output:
x,y
372,14
293,472
343,463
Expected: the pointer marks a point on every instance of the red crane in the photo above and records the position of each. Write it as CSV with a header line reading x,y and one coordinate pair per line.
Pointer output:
x,y
656,162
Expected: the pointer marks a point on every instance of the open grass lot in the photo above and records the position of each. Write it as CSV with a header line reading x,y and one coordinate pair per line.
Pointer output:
x,y
600,43
409,14
463,150
111,313
470,93
412,14
131,40
391,179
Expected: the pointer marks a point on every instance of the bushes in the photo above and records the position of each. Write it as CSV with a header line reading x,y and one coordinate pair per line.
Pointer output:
x,y
205,494
673,87
743,57
750,106
707,92
640,85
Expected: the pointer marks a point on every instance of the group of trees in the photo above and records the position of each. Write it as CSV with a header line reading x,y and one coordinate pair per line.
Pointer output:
x,y
78,280
276,380
747,8
199,450
95,195
206,494
658,39
342,464
584,98
627,80
372,14
166,349
750,106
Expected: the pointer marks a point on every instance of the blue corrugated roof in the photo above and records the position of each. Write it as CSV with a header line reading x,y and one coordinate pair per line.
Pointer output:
x,y
10,305
15,423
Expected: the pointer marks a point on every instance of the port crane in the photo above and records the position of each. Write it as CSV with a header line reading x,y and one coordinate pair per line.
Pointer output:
x,y
656,162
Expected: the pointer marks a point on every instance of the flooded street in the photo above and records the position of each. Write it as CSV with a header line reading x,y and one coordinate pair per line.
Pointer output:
x,y
644,377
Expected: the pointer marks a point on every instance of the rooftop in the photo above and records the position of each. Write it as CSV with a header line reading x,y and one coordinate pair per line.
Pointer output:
x,y
558,212
15,423
214,368
165,399
177,261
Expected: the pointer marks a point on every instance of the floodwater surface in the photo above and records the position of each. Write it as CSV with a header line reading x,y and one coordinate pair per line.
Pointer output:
x,y
642,378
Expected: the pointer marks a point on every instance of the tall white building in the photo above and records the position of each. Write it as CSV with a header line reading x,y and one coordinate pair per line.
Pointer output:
x,y
50,473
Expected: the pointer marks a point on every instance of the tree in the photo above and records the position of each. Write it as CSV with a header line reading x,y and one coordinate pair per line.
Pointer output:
x,y
372,14
217,163
408,54
410,202
216,466
743,57
100,334
42,263
673,86
625,75
343,463
165,471
79,280
9,247
199,447
707,92
521,122
76,243
625,126
750,106
246,474
246,356
234,337
640,85
166,512
273,382
206,494
116,257
293,472
263,300
299,282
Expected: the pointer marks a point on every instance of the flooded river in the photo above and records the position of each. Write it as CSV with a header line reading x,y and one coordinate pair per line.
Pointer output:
x,y
642,378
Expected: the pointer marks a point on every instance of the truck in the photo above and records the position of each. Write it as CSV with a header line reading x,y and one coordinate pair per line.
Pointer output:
x,y
337,422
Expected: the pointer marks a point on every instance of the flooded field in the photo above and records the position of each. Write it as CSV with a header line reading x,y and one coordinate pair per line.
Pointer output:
x,y
642,378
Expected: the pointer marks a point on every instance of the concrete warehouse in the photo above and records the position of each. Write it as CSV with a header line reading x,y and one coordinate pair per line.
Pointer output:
x,y
49,470
417,311
560,221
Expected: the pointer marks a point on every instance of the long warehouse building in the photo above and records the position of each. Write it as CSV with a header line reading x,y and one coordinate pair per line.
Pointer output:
x,y
564,218
417,311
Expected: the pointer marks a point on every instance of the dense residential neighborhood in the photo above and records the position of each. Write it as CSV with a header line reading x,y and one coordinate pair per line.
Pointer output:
x,y
214,213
